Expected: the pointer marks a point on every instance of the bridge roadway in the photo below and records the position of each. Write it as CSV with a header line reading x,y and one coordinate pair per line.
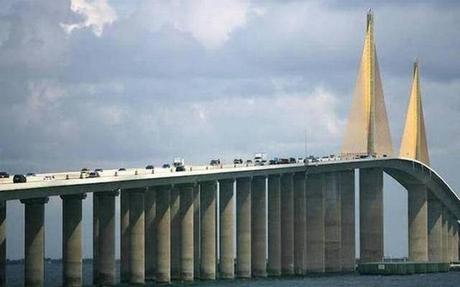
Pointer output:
x,y
169,222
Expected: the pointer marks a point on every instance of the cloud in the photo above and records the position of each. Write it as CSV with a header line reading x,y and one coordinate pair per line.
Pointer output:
x,y
209,22
96,15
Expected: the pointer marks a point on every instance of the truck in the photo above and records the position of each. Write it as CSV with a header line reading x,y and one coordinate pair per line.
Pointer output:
x,y
260,159
178,161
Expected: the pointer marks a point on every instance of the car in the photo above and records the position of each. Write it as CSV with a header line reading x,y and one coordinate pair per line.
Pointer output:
x,y
166,165
215,162
180,168
272,162
4,174
30,174
292,160
19,178
84,169
98,170
237,161
122,169
283,161
249,161
149,166
93,174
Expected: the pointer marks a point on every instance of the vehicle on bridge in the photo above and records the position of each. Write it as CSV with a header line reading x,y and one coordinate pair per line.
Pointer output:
x,y
237,161
4,174
214,162
260,159
19,178
150,166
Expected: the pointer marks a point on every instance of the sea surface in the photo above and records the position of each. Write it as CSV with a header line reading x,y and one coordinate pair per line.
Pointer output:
x,y
53,277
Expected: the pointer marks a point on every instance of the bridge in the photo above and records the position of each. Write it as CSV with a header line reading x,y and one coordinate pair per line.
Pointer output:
x,y
245,220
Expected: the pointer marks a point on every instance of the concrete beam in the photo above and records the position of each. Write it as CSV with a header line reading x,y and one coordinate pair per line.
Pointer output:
x,y
274,226
434,229
72,239
34,239
299,224
150,234
163,216
136,237
332,223
2,243
315,223
186,215
417,197
287,224
258,227
106,238
227,233
347,197
243,227
371,214
208,192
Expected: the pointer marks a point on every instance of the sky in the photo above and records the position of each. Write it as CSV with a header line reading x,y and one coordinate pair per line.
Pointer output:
x,y
101,83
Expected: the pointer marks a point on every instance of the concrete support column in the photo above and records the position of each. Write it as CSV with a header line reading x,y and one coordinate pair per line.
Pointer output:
x,y
315,223
34,241
136,236
175,234
106,238
208,191
72,239
243,227
332,222
150,234
287,224
444,234
299,223
2,243
455,244
258,227
124,236
347,197
434,229
186,214
417,197
450,237
95,238
274,226
227,233
163,234
371,214
196,231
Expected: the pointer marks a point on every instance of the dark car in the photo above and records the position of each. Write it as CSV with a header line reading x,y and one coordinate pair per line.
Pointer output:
x,y
121,169
4,174
30,174
149,166
166,165
273,161
283,161
180,168
237,161
249,161
98,170
84,169
292,160
215,162
93,174
19,178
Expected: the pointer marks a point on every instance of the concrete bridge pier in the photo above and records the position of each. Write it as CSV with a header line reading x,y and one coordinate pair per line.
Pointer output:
x,y
299,223
371,214
208,192
445,234
196,231
72,239
287,224
2,243
243,227
450,237
175,233
136,236
163,234
315,223
332,222
95,238
418,221
186,215
34,241
434,229
274,226
124,236
258,227
150,234
227,218
456,243
106,238
347,197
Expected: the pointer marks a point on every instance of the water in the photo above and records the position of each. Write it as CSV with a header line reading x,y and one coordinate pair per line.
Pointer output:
x,y
53,278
